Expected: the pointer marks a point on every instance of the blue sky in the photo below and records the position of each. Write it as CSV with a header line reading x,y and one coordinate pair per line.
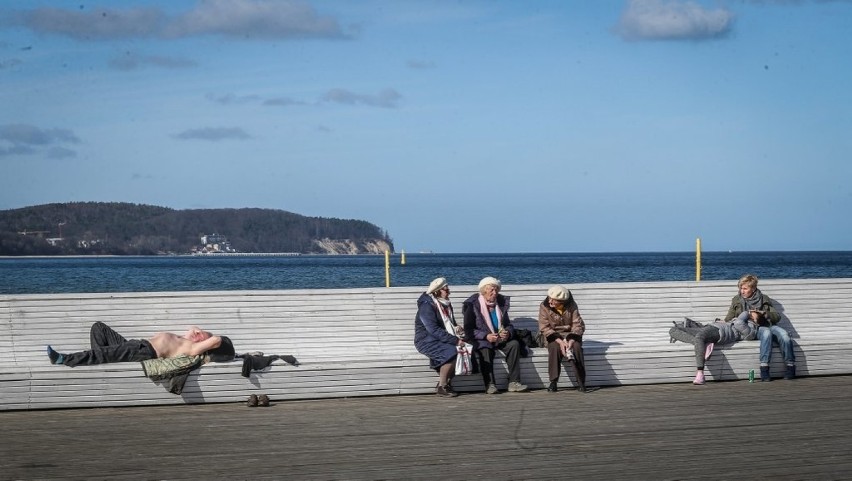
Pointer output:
x,y
457,126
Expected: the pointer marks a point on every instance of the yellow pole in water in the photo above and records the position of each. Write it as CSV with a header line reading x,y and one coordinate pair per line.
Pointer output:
x,y
387,268
698,259
403,258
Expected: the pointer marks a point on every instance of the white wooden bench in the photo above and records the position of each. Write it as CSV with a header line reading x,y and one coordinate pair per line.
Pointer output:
x,y
358,342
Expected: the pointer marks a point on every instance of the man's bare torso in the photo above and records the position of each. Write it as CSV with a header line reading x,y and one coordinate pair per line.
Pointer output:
x,y
168,344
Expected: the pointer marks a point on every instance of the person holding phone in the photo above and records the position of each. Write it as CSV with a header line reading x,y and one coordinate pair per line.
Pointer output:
x,y
751,304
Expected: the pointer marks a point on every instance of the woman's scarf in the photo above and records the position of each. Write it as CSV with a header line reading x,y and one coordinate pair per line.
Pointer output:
x,y
483,307
755,302
445,309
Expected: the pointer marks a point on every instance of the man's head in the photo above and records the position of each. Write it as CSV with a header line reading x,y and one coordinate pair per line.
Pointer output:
x,y
747,285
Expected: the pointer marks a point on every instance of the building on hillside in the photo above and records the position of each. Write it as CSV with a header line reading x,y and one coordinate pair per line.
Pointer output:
x,y
215,244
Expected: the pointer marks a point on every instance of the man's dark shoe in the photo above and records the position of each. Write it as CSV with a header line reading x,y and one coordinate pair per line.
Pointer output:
x,y
764,374
790,372
55,357
552,387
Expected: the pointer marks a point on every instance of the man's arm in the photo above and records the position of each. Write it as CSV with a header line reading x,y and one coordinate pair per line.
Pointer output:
x,y
196,334
200,348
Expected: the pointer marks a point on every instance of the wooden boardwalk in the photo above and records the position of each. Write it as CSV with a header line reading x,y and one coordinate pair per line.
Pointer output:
x,y
798,429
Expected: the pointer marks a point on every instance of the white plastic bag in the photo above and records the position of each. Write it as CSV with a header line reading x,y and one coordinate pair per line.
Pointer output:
x,y
464,365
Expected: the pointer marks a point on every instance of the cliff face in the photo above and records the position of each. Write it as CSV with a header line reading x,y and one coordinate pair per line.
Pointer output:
x,y
348,246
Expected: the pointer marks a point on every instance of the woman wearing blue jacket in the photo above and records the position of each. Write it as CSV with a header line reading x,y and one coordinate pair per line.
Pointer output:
x,y
437,335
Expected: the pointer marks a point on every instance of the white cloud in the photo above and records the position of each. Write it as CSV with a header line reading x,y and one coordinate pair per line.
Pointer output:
x,y
282,102
131,61
231,98
25,139
387,98
255,19
96,24
420,64
672,20
245,19
213,134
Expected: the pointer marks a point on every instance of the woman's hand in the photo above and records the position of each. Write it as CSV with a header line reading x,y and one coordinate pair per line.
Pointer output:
x,y
564,347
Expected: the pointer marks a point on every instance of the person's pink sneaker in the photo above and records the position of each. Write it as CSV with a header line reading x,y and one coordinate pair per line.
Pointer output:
x,y
708,350
699,378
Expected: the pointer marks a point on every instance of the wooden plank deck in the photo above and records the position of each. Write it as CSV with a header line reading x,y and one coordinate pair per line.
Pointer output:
x,y
799,429
358,342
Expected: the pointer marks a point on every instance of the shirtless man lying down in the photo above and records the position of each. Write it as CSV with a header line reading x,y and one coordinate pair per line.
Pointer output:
x,y
110,346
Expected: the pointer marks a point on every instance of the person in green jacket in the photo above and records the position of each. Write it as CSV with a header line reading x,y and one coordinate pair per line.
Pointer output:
x,y
752,304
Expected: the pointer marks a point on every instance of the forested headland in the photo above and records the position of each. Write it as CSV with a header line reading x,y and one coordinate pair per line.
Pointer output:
x,y
116,228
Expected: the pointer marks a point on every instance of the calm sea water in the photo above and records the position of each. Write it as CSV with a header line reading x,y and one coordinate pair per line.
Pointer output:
x,y
152,274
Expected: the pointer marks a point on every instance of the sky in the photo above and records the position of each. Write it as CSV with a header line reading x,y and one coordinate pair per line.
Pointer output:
x,y
457,126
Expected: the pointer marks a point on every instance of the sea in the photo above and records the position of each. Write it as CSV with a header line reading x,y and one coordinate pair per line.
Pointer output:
x,y
52,275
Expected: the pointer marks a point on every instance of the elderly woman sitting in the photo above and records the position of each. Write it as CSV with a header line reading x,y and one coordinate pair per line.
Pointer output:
x,y
562,327
487,325
437,335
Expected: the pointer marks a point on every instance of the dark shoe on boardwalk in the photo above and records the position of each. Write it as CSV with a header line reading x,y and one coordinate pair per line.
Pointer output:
x,y
445,391
55,357
764,374
491,389
263,400
552,387
252,401
790,372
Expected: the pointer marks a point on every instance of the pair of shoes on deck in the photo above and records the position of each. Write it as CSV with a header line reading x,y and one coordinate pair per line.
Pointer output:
x,y
255,400
553,387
